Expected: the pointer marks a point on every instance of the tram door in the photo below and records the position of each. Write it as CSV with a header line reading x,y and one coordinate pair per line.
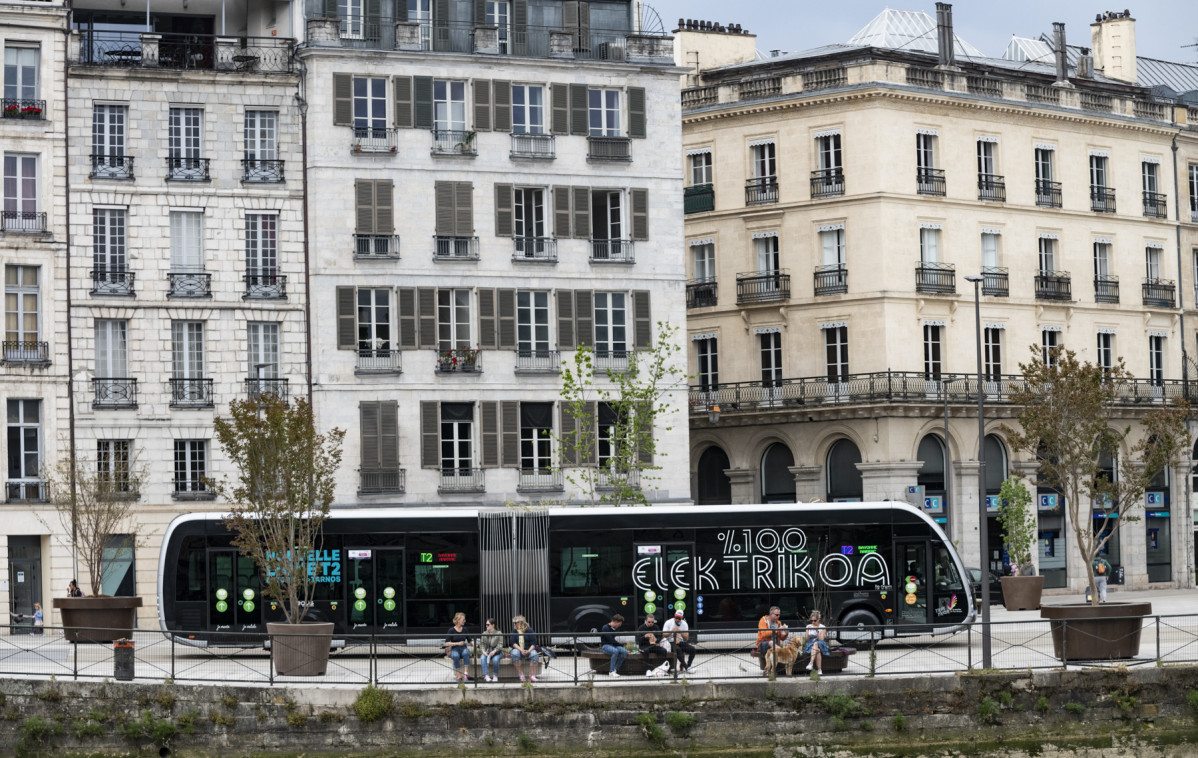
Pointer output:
x,y
376,590
668,570
234,589
911,564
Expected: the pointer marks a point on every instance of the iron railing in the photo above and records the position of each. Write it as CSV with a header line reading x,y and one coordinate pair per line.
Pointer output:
x,y
383,360
265,171
528,145
1054,285
613,251
189,392
1160,293
698,198
453,142
25,351
828,182
936,278
23,222
1156,205
541,480
189,284
701,293
761,190
205,52
607,479
265,286
110,392
609,148
831,279
992,188
187,169
374,140
995,281
615,360
462,480
535,249
762,287
34,110
109,282
459,360
1102,199
455,248
26,491
538,361
256,388
192,489
1106,289
376,246
1048,194
112,167
930,181
375,482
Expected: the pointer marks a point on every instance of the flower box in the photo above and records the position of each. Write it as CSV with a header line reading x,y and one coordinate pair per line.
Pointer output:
x,y
458,360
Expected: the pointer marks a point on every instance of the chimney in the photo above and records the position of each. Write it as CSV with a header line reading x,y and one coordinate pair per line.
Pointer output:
x,y
1113,39
944,34
1085,66
1058,46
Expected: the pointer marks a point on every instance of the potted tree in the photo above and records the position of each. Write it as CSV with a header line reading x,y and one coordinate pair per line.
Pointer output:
x,y
278,504
1022,591
1065,422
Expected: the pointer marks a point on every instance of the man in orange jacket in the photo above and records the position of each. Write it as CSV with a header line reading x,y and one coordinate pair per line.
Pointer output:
x,y
770,629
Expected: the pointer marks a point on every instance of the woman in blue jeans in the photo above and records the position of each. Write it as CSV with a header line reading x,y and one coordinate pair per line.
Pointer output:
x,y
457,639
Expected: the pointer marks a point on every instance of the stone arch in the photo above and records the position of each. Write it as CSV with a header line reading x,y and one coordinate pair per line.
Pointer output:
x,y
843,479
712,485
777,483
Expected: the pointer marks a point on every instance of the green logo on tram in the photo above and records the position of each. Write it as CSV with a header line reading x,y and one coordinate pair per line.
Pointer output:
x,y
248,606
221,606
247,593
388,605
222,594
650,608
360,593
679,593
679,606
359,605
650,596
388,592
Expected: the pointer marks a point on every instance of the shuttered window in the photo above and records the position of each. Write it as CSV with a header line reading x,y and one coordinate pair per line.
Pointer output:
x,y
482,105
379,435
403,102
374,206
636,112
640,214
576,19
454,209
560,97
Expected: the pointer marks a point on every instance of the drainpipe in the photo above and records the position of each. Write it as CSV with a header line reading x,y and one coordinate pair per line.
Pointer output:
x,y
66,157
1185,362
303,110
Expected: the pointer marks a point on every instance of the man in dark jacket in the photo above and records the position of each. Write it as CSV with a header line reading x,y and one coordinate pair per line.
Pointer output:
x,y
607,638
648,639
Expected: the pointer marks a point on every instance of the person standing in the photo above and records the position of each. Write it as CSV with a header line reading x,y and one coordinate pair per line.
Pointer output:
x,y
1102,572
607,638
523,642
39,622
678,635
491,645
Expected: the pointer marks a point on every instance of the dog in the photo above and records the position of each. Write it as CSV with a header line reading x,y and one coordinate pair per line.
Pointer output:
x,y
785,655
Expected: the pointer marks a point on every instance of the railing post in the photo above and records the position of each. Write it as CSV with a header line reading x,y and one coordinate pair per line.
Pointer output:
x,y
75,658
577,655
1064,643
1157,619
969,648
172,639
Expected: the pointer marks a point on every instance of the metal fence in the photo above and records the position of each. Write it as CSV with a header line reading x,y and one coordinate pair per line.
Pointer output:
x,y
420,660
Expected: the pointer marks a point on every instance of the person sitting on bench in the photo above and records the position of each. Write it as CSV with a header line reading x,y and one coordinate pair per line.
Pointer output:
x,y
815,644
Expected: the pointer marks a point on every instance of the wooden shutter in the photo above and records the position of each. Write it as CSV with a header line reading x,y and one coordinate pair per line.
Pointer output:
x,y
642,320
489,421
347,321
581,197
364,206
501,98
384,206
464,209
403,102
579,117
584,26
373,18
636,112
569,440
506,318
401,11
426,314
504,225
644,428
441,25
584,317
486,318
430,434
561,212
422,97
565,319
482,105
443,198
640,214
407,319
480,12
570,21
509,412
343,99
368,419
559,94
519,28
388,435
330,9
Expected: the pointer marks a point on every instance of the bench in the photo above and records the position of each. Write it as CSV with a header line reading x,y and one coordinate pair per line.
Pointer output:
x,y
833,663
635,664
507,670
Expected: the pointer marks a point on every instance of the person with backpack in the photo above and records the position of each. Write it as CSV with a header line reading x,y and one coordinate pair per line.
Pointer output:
x,y
1102,572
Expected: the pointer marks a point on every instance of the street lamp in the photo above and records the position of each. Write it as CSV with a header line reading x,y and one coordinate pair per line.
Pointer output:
x,y
713,414
983,531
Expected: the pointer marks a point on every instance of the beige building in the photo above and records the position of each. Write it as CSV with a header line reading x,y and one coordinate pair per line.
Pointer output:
x,y
837,201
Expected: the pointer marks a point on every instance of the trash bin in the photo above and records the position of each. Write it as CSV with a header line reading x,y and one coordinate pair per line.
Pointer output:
x,y
122,660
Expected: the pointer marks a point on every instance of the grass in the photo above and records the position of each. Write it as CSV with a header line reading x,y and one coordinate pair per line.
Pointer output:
x,y
900,722
374,704
651,729
680,723
988,711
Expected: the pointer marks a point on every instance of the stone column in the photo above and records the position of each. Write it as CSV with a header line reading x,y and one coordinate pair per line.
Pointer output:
x,y
561,44
226,48
888,480
486,40
149,49
74,46
407,36
965,513
808,483
744,485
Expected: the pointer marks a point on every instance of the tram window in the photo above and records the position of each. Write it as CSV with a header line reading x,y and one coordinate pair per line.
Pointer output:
x,y
442,566
591,571
325,567
946,574
189,578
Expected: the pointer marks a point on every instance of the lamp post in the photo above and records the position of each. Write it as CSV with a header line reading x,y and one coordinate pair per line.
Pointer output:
x,y
983,531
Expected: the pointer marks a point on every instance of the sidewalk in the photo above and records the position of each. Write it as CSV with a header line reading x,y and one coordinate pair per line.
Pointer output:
x,y
1164,602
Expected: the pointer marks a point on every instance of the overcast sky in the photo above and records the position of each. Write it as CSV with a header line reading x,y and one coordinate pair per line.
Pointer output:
x,y
1162,26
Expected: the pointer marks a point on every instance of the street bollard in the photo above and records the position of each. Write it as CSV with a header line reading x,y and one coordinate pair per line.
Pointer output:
x,y
122,660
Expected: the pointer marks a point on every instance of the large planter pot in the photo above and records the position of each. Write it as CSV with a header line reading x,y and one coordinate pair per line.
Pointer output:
x,y
1082,632
98,619
1022,593
300,649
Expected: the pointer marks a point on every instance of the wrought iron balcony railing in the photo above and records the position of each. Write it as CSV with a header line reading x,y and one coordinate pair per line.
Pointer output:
x,y
1106,289
33,110
383,360
534,146
992,188
535,250
459,360
936,278
189,284
538,361
204,52
462,480
831,279
382,246
192,489
23,222
382,481
1160,293
609,149
261,170
454,142
1156,205
607,479
455,248
187,169
701,293
109,282
256,388
828,182
698,198
111,392
189,392
614,360
761,190
1054,285
28,352
1102,199
1048,194
613,251
265,286
541,480
26,491
995,281
762,287
930,181
112,167
374,140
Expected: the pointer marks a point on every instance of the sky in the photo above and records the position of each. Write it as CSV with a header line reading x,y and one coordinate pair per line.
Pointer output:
x,y
1162,26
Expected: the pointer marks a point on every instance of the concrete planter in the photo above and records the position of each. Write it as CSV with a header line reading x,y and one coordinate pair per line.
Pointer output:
x,y
1082,632
98,619
300,649
1022,593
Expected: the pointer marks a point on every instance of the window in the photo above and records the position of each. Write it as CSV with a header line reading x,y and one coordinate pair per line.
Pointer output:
x,y
113,466
370,107
374,322
499,14
183,144
20,75
704,262
1049,342
528,108
767,254
1102,260
24,449
925,153
187,241
1149,171
187,350
108,141
1106,350
20,194
836,345
708,359
22,313
1152,264
262,253
992,355
108,247
607,441
989,250
1044,171
932,352
764,164
457,449
532,323
827,148
536,437
453,320
832,244
700,169
449,106
1048,255
611,332
987,151
1156,359
607,219
111,349
603,106
1193,191
528,206
353,18
263,343
771,359
1098,176
929,245
262,146
421,12
191,466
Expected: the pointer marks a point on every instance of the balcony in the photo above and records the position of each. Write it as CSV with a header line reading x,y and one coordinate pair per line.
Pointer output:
x,y
110,393
1156,205
1159,293
831,279
534,250
538,361
382,360
376,141
701,293
30,110
454,142
930,181
1102,199
191,393
112,167
540,480
26,491
1106,289
204,52
256,388
1048,194
992,188
762,287
108,282
533,146
261,171
192,490
189,284
26,352
376,246
1054,285
607,480
609,149
613,251
612,360
828,78
988,86
827,182
455,248
700,97
380,482
761,190
928,78
455,480
187,169
698,198
936,278
757,89
459,360
23,222
995,282
265,286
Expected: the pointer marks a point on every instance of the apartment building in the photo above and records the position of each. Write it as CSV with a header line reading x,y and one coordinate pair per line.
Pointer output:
x,y
837,199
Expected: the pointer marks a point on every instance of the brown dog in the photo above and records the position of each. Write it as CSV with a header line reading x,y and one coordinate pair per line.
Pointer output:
x,y
785,655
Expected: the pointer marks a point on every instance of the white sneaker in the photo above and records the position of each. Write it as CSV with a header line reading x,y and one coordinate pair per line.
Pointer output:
x,y
808,666
820,672
613,674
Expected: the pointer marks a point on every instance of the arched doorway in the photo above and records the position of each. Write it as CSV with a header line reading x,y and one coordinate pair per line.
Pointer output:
x,y
844,480
932,477
777,483
712,485
996,474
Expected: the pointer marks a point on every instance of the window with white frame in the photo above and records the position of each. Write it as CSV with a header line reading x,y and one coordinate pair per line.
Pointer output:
x,y
184,133
1102,260
370,106
1106,350
992,354
1150,176
700,169
771,358
989,251
703,259
1049,344
187,349
532,323
1193,171
836,351
22,311
21,192
20,75
607,217
113,465
499,14
187,241
528,217
828,156
767,254
987,159
24,448
932,352
421,12
263,348
453,320
611,326
457,439
1152,264
1098,171
374,321
536,437
708,361
449,105
353,18
1156,359
832,246
603,109
112,361
925,153
528,109
929,245
764,163
262,146
1043,163
191,466
1048,255
262,248
108,244
108,139
606,442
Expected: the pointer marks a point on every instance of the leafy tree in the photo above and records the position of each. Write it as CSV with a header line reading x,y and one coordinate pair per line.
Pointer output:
x,y
1064,420
281,496
629,406
1018,524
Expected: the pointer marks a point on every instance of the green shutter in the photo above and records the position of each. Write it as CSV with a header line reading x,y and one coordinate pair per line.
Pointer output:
x,y
510,416
430,434
559,94
368,419
501,96
584,317
486,318
489,421
584,27
464,209
347,322
403,102
504,226
426,314
640,214
384,206
506,306
401,10
579,118
482,105
561,213
565,319
570,21
373,13
443,199
636,112
343,99
330,8
422,89
642,320
364,206
407,319
581,202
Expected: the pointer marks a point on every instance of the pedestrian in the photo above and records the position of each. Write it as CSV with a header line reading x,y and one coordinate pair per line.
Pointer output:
x,y
678,635
523,642
491,646
73,589
38,620
457,639
1102,572
607,638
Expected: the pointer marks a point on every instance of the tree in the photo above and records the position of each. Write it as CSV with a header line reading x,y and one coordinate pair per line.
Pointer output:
x,y
613,422
1065,421
282,493
1018,524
